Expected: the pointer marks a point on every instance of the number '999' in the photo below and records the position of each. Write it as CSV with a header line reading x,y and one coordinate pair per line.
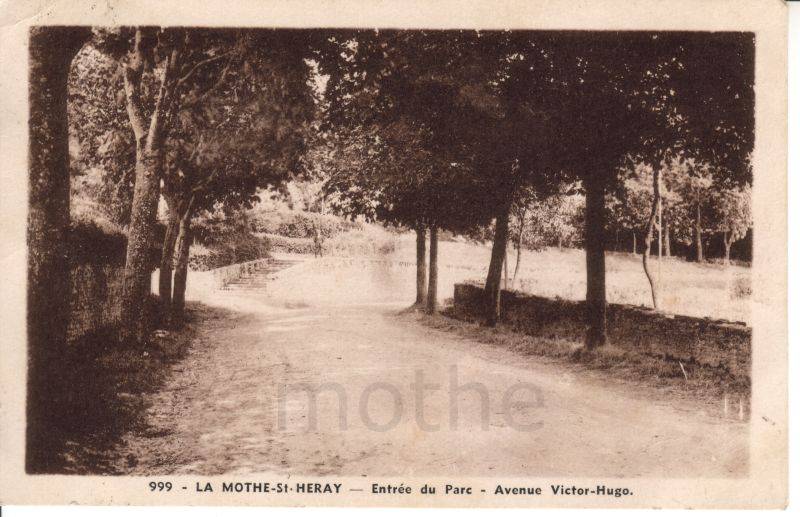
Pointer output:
x,y
160,486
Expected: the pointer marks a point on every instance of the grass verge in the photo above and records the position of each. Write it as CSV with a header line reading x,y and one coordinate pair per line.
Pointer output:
x,y
104,394
707,386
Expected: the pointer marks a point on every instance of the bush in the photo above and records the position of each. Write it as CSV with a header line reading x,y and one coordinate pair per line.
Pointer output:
x,y
240,248
89,243
369,241
289,244
221,240
95,240
742,288
720,261
299,225
224,240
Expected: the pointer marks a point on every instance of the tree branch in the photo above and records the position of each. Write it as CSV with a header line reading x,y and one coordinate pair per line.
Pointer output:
x,y
165,96
196,99
204,62
132,75
202,184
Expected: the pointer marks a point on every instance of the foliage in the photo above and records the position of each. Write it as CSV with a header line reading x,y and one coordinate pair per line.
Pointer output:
x,y
280,243
692,181
733,210
688,186
281,220
495,112
368,241
420,127
239,119
238,248
101,143
400,161
630,204
250,130
555,220
222,239
89,243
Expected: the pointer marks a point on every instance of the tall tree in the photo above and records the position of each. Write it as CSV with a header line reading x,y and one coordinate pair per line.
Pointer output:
x,y
249,133
407,168
648,237
647,95
641,198
52,50
149,135
521,108
162,70
177,83
605,114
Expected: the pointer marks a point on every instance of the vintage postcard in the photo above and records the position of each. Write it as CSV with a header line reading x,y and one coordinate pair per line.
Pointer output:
x,y
357,253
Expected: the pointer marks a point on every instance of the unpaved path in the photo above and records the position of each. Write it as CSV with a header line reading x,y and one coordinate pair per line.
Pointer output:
x,y
483,411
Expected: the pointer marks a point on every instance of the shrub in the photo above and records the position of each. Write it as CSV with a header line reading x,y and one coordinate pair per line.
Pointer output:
x,y
239,248
289,244
223,240
369,241
95,240
299,225
720,261
742,288
89,243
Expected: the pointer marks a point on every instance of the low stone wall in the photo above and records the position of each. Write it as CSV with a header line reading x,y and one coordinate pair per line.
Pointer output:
x,y
708,342
96,294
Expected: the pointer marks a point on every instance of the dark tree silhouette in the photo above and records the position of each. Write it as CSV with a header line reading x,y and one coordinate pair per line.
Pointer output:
x,y
51,52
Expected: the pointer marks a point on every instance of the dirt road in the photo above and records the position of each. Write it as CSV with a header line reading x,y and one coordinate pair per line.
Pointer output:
x,y
302,381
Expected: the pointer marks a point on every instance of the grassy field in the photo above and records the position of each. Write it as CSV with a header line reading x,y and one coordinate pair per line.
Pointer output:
x,y
703,290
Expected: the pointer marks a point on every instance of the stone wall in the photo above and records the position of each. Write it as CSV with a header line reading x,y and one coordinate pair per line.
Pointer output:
x,y
708,342
95,303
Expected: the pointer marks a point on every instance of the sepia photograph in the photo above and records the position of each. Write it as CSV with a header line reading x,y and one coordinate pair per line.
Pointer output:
x,y
491,266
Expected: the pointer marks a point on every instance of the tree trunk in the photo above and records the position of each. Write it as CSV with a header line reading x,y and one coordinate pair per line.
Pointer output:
x,y
138,257
595,262
493,277
648,238
519,248
698,233
48,302
181,270
516,266
421,268
727,241
150,134
505,268
165,268
433,271
660,226
667,246
634,241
